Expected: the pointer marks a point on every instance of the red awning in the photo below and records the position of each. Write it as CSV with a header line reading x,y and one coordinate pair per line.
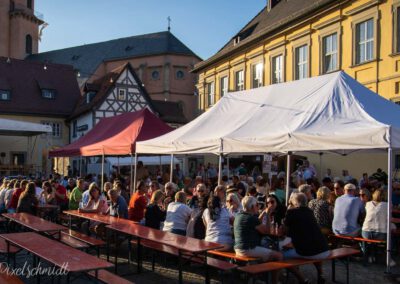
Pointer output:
x,y
116,135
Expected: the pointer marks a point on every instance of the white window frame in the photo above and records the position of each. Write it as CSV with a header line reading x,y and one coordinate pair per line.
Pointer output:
x,y
300,62
121,96
277,73
210,93
365,43
5,95
239,80
224,85
328,52
56,128
257,75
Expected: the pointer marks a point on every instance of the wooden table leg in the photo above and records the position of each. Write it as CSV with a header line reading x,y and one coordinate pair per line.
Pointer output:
x,y
116,253
139,256
180,267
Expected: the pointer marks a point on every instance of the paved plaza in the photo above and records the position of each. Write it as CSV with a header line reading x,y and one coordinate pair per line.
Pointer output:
x,y
166,272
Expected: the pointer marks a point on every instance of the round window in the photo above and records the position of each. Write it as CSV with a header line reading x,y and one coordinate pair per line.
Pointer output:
x,y
155,75
180,74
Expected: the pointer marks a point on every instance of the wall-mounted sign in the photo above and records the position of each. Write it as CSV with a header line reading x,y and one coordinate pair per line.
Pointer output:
x,y
82,127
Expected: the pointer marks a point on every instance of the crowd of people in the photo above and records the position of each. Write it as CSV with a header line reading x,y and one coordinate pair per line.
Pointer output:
x,y
240,213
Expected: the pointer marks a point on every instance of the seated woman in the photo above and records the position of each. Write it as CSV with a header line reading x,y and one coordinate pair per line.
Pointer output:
x,y
196,228
322,209
12,206
365,195
118,207
138,203
307,238
375,223
233,204
216,219
247,230
48,194
273,216
155,213
96,204
178,214
274,211
28,199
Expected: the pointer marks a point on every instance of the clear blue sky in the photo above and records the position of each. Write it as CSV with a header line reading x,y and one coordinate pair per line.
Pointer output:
x,y
203,25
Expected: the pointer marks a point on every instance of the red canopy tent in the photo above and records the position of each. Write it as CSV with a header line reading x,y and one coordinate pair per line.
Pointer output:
x,y
116,135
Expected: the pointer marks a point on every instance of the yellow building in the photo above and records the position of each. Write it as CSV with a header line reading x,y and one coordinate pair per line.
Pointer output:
x,y
291,40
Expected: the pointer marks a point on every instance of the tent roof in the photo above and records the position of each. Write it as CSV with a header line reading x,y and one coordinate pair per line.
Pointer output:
x,y
116,135
22,128
329,112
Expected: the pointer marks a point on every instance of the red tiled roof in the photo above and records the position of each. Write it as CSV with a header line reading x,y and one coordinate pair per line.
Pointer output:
x,y
25,79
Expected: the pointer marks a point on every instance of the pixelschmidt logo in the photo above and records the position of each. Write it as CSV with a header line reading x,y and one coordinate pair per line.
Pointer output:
x,y
28,271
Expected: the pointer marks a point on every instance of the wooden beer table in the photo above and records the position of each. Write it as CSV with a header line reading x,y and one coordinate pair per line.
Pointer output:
x,y
56,253
35,223
183,244
96,217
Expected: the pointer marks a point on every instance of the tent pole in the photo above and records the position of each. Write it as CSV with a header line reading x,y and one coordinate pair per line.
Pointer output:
x,y
131,178
227,165
135,176
102,172
171,168
80,166
220,169
389,212
63,173
320,165
288,177
118,164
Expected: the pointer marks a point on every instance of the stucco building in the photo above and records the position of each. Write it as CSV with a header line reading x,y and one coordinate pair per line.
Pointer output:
x,y
40,93
291,40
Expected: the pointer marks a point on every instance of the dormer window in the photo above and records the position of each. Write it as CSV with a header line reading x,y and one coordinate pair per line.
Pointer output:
x,y
236,40
5,95
49,94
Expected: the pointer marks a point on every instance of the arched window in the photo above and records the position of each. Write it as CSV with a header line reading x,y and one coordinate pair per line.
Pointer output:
x,y
28,44
29,4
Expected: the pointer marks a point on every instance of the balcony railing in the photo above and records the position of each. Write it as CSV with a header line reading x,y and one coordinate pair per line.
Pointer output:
x,y
21,8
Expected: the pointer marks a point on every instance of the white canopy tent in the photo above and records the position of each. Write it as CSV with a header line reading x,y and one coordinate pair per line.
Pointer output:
x,y
327,113
330,112
11,127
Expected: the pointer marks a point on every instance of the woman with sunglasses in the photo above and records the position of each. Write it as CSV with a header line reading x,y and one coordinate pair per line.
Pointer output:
x,y
274,211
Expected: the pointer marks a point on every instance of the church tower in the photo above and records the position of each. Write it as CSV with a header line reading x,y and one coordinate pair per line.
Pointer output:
x,y
19,28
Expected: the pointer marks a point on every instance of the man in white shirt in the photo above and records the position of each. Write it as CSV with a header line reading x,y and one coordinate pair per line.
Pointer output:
x,y
178,215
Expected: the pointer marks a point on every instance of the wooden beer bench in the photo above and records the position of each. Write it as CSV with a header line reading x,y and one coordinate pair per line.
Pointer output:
x,y
339,253
211,262
231,255
88,240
